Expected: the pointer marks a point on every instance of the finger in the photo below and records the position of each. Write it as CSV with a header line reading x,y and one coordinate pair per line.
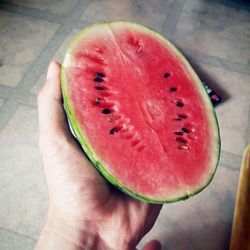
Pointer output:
x,y
51,115
152,245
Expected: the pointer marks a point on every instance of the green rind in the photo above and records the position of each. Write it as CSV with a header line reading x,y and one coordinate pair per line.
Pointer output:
x,y
90,152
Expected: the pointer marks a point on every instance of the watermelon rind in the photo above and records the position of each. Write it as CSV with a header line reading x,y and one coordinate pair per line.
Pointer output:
x,y
82,138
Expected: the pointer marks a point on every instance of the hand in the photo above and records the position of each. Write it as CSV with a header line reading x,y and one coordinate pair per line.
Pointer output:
x,y
85,212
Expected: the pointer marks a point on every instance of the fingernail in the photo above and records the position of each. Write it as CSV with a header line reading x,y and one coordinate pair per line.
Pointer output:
x,y
50,71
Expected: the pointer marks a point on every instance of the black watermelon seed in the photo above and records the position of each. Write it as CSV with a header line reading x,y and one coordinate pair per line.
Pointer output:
x,y
181,140
99,74
185,130
166,75
177,119
173,89
179,104
98,79
182,116
113,131
178,133
106,111
100,87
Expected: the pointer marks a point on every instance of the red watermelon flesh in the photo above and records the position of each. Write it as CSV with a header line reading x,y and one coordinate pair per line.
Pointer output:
x,y
140,112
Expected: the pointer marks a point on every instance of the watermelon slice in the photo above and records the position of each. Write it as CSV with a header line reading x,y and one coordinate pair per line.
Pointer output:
x,y
140,112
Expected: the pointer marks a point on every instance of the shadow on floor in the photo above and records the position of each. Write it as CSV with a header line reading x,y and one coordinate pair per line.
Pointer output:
x,y
238,4
209,80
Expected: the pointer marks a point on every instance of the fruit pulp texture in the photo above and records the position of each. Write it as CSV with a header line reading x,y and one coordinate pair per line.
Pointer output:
x,y
140,111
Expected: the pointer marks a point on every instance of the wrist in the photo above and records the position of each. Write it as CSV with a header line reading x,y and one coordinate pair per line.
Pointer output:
x,y
59,230
73,237
58,234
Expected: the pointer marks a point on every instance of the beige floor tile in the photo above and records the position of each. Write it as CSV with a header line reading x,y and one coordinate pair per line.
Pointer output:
x,y
215,29
23,190
62,7
203,221
153,13
13,241
22,40
59,55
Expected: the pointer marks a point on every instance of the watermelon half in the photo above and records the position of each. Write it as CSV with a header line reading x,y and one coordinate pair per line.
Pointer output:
x,y
140,112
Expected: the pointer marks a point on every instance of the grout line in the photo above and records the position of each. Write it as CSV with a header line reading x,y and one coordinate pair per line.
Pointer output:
x,y
10,106
30,100
74,21
27,105
216,61
49,50
78,11
169,28
4,101
7,111
21,94
6,92
73,8
71,22
236,67
172,19
32,12
82,24
16,233
42,59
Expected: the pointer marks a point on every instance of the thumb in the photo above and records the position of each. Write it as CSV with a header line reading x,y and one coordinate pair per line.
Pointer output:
x,y
51,115
55,139
152,245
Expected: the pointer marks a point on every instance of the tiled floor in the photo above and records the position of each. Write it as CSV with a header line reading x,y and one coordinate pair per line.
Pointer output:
x,y
32,35
214,35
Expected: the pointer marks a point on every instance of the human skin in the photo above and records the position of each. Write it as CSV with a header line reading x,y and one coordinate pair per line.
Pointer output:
x,y
85,212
